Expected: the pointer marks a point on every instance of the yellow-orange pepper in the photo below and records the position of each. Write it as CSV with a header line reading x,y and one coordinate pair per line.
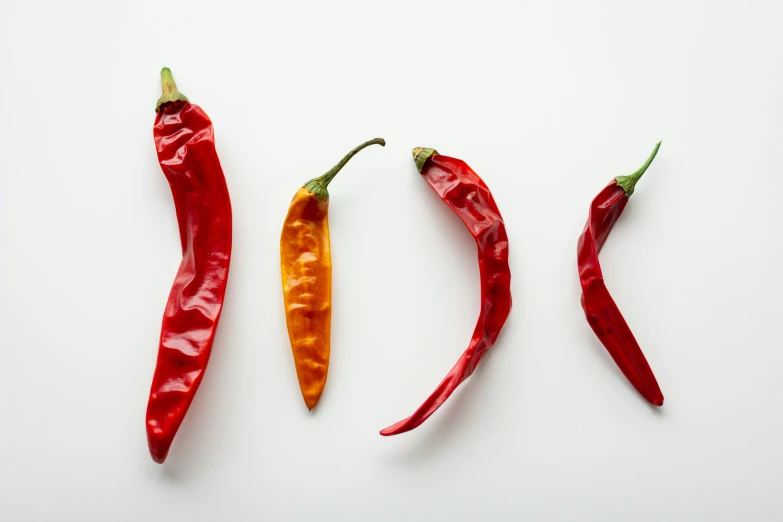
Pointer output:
x,y
306,268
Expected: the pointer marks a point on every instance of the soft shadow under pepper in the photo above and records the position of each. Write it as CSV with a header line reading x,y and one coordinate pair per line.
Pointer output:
x,y
600,309
469,197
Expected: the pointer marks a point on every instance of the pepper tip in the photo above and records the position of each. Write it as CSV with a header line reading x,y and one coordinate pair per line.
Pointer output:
x,y
159,454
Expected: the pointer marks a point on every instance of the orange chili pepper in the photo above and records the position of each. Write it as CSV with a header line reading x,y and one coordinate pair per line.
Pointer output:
x,y
306,268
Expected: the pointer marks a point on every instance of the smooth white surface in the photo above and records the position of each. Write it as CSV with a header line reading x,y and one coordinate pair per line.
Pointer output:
x,y
547,101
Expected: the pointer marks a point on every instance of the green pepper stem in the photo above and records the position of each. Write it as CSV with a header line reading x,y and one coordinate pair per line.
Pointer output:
x,y
329,176
170,92
421,155
318,185
628,183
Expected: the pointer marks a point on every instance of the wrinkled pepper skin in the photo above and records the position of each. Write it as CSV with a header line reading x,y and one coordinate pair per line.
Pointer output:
x,y
469,197
306,270
306,267
601,312
186,151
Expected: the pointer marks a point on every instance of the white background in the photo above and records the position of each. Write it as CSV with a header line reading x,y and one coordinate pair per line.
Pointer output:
x,y
547,101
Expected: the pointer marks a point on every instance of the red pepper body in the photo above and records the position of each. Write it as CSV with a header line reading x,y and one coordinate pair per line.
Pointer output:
x,y
468,196
600,309
186,152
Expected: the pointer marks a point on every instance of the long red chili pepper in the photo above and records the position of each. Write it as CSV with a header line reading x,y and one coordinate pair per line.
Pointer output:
x,y
186,152
467,195
600,309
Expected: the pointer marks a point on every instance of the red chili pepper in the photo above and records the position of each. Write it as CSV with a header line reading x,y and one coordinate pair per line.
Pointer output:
x,y
467,195
600,309
186,152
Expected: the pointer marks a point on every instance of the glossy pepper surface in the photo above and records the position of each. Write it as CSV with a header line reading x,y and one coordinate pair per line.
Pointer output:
x,y
186,152
469,197
306,269
602,313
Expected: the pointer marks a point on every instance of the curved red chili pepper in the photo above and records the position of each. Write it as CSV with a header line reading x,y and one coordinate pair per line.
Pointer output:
x,y
186,152
600,309
467,195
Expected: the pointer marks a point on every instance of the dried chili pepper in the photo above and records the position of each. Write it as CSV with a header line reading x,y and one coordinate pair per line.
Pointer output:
x,y
306,269
600,309
186,152
468,196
